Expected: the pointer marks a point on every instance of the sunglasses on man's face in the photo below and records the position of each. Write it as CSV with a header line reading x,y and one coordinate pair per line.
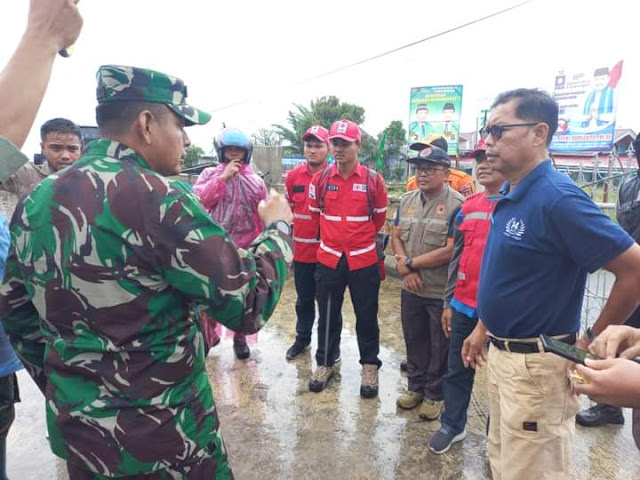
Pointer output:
x,y
496,131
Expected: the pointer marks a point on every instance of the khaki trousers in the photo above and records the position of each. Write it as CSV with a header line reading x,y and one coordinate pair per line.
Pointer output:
x,y
532,410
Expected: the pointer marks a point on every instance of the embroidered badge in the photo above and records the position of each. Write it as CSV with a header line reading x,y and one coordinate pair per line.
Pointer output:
x,y
342,127
359,187
312,191
515,228
440,209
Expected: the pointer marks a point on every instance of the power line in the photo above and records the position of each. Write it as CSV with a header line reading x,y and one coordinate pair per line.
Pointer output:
x,y
391,52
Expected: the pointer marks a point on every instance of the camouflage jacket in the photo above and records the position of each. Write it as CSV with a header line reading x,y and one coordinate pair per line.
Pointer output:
x,y
105,258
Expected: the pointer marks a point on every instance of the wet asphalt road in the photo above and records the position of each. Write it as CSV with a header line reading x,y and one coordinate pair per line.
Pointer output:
x,y
275,428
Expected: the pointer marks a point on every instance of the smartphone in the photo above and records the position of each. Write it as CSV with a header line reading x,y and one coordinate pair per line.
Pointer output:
x,y
565,350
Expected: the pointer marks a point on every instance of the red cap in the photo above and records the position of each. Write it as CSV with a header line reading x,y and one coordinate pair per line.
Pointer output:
x,y
477,151
318,132
481,147
346,130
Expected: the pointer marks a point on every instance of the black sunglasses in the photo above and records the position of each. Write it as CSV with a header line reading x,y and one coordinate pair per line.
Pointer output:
x,y
496,131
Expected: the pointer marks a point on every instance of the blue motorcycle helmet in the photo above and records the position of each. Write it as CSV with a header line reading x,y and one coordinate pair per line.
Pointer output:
x,y
233,137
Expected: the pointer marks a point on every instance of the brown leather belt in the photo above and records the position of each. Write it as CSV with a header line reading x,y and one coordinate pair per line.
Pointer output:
x,y
517,346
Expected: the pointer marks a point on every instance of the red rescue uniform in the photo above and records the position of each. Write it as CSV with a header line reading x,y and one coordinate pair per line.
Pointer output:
x,y
476,223
354,210
305,226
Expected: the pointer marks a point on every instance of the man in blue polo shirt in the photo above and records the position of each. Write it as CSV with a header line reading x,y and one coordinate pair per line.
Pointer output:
x,y
546,235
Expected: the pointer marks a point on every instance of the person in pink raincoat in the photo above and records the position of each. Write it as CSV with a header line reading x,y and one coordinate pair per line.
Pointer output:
x,y
231,192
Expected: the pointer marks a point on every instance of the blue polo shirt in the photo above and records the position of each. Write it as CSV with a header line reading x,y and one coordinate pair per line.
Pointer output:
x,y
545,236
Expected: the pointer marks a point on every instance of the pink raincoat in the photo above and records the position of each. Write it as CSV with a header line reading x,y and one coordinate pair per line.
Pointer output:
x,y
234,206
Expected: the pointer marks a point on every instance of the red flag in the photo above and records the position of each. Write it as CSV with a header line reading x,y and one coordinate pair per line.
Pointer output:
x,y
615,73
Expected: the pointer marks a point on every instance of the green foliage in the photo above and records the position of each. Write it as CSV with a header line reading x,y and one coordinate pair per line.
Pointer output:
x,y
322,111
192,157
396,138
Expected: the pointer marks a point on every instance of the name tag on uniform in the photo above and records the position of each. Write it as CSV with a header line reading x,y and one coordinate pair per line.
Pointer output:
x,y
332,188
312,191
359,187
298,189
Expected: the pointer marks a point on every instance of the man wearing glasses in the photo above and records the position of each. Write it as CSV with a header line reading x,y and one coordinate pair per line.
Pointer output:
x,y
423,242
545,236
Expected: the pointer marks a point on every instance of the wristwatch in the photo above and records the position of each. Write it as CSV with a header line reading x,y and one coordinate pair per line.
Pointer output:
x,y
408,262
282,227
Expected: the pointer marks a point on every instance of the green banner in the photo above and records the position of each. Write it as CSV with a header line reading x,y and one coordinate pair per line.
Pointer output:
x,y
436,110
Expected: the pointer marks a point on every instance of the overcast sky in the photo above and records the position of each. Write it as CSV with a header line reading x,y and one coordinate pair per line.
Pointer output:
x,y
260,53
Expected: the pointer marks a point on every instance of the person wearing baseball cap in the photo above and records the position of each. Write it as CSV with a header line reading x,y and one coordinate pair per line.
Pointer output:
x,y
422,240
460,316
110,256
305,234
460,181
349,203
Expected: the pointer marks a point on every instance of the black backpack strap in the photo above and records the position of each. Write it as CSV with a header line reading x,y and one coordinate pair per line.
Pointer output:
x,y
323,186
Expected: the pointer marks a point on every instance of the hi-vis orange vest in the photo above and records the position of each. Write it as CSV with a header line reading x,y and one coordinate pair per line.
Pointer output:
x,y
476,211
461,182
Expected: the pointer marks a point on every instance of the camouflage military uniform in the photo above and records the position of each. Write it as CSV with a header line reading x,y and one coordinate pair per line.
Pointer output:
x,y
106,257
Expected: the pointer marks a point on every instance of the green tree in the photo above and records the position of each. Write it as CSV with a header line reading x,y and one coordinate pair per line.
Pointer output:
x,y
267,137
192,157
396,138
321,111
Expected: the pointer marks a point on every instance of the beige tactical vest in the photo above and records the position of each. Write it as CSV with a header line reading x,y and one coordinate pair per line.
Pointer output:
x,y
423,227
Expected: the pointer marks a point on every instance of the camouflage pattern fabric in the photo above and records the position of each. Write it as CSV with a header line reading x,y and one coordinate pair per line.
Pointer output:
x,y
105,258
132,84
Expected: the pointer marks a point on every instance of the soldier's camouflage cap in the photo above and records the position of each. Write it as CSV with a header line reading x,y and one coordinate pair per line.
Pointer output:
x,y
132,84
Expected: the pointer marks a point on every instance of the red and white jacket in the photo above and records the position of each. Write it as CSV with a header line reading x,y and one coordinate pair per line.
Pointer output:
x,y
305,228
476,222
347,226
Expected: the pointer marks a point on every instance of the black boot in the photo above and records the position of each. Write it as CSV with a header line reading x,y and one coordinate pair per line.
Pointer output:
x,y
241,348
3,459
296,349
600,414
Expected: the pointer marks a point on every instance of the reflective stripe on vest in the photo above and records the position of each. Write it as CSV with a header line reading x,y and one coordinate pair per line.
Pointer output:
x,y
365,218
330,250
306,240
477,216
302,216
363,250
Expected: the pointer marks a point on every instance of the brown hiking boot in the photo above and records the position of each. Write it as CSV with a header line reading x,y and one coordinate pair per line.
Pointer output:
x,y
430,409
409,400
320,378
369,385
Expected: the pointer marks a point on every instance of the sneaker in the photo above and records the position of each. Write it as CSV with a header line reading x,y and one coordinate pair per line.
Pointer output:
x,y
338,359
241,349
320,379
430,409
440,441
409,400
369,385
404,366
600,414
296,349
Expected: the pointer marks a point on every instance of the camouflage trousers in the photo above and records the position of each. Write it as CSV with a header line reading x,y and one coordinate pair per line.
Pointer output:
x,y
205,470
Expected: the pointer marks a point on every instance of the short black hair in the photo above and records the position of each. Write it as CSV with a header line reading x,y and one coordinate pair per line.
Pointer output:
x,y
60,125
448,106
115,118
533,105
422,106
